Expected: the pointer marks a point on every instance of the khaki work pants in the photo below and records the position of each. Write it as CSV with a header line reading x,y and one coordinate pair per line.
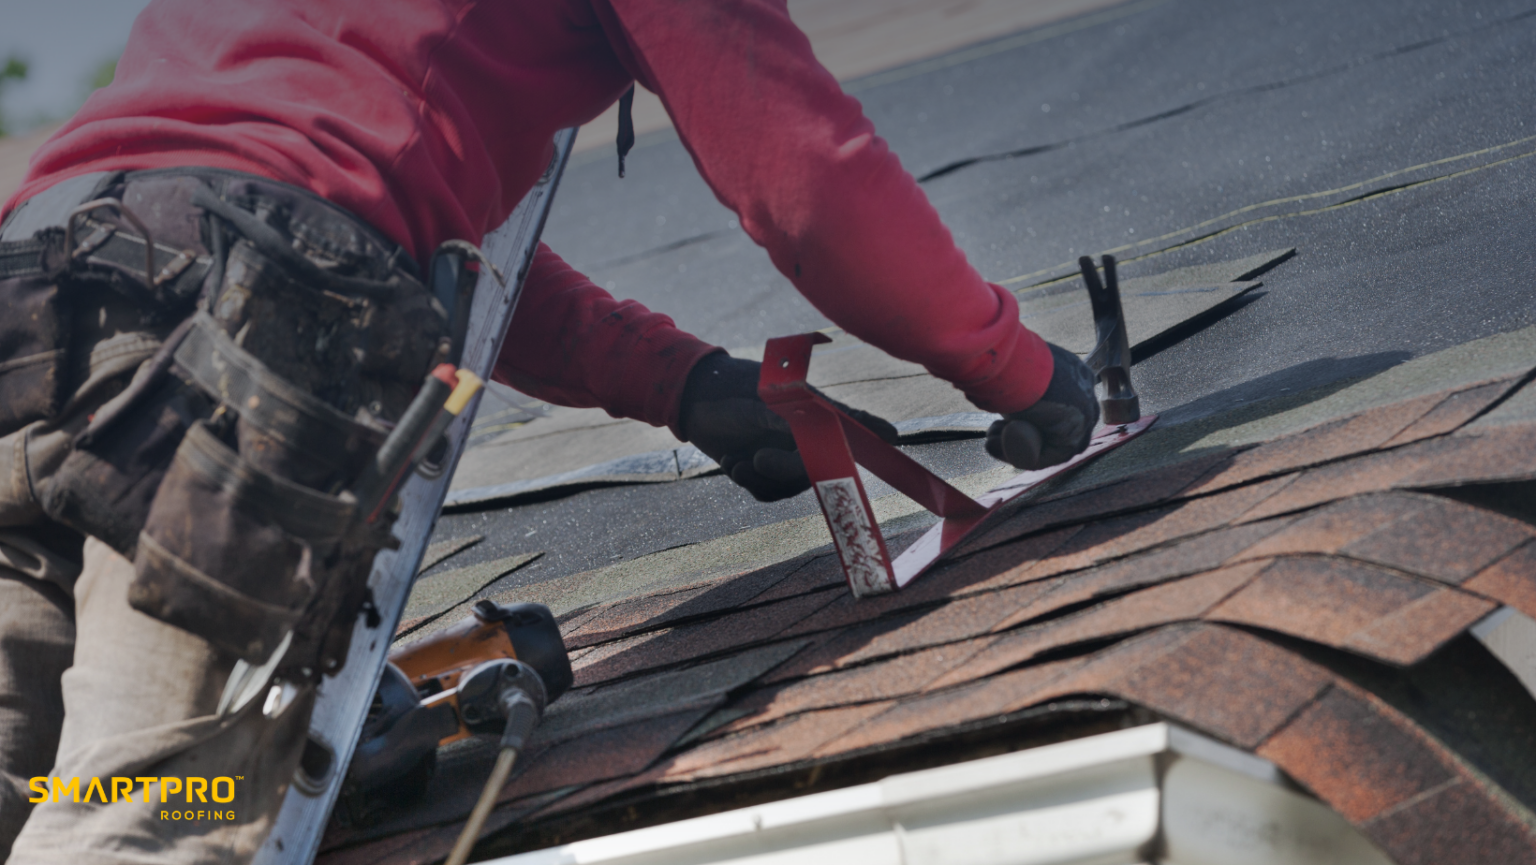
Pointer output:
x,y
91,689
138,702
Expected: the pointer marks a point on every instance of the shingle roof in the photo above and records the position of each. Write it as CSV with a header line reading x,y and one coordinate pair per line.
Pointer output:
x,y
1227,591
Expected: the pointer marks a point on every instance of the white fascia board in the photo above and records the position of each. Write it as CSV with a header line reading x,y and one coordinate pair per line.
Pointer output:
x,y
1192,744
1124,787
1110,829
849,808
1112,799
1034,764
1510,636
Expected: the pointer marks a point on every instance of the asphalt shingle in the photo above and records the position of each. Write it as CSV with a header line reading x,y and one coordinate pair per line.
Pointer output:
x,y
1179,600
1182,591
1357,754
1454,411
1329,441
1352,606
1510,580
1444,540
689,642
1229,684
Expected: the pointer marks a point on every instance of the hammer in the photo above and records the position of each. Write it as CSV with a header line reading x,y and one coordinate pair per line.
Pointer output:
x,y
1111,358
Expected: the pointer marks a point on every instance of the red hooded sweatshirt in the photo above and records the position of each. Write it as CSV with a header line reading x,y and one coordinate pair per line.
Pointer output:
x,y
431,119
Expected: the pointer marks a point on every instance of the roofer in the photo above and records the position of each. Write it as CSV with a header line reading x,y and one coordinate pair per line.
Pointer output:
x,y
179,429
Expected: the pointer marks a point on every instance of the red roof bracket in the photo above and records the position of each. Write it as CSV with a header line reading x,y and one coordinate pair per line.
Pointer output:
x,y
832,444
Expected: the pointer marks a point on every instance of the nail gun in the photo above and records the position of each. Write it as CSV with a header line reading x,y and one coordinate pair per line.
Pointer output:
x,y
462,681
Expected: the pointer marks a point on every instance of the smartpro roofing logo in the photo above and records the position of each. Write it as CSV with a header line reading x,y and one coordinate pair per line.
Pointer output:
x,y
198,791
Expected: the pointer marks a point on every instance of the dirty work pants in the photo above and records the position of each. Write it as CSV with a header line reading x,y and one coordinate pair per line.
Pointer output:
x,y
92,689
138,702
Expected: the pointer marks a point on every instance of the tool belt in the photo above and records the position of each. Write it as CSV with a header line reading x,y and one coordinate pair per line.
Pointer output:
x,y
225,467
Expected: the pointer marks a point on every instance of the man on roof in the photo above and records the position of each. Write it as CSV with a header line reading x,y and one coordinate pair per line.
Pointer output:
x,y
178,429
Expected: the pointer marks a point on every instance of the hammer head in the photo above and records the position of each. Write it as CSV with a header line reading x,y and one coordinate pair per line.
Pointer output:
x,y
1111,357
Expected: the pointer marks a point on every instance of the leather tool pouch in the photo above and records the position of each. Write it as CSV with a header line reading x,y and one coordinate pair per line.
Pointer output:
x,y
158,264
231,552
238,546
221,472
34,325
106,484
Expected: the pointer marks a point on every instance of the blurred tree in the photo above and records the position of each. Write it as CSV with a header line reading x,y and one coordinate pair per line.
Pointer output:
x,y
15,69
103,74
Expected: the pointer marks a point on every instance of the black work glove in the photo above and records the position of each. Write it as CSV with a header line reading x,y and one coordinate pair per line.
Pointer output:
x,y
723,417
1055,429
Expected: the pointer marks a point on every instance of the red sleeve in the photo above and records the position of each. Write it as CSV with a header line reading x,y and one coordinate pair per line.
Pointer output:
x,y
571,343
780,144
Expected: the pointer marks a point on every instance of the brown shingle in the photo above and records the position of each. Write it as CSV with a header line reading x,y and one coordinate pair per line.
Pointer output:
x,y
883,680
958,620
778,744
1180,600
959,647
1328,529
828,648
581,659
1479,455
1235,686
611,621
994,568
1453,411
1332,440
1016,520
1024,554
1457,823
1409,634
595,793
988,698
847,610
1122,536
1195,516
1357,754
1371,473
687,642
1445,540
949,579
1107,666
1232,685
1191,556
574,619
620,750
1353,606
908,631
1473,455
820,573
1082,551
1077,547
1510,580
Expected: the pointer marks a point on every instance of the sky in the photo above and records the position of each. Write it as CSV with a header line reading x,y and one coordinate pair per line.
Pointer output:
x,y
64,41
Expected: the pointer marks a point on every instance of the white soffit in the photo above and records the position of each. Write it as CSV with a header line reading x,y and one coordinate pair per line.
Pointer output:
x,y
1156,793
1510,636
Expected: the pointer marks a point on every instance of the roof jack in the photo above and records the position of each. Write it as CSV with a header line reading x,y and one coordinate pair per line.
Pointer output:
x,y
831,443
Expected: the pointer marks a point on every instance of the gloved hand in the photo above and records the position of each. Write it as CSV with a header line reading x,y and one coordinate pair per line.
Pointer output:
x,y
723,417
1056,428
